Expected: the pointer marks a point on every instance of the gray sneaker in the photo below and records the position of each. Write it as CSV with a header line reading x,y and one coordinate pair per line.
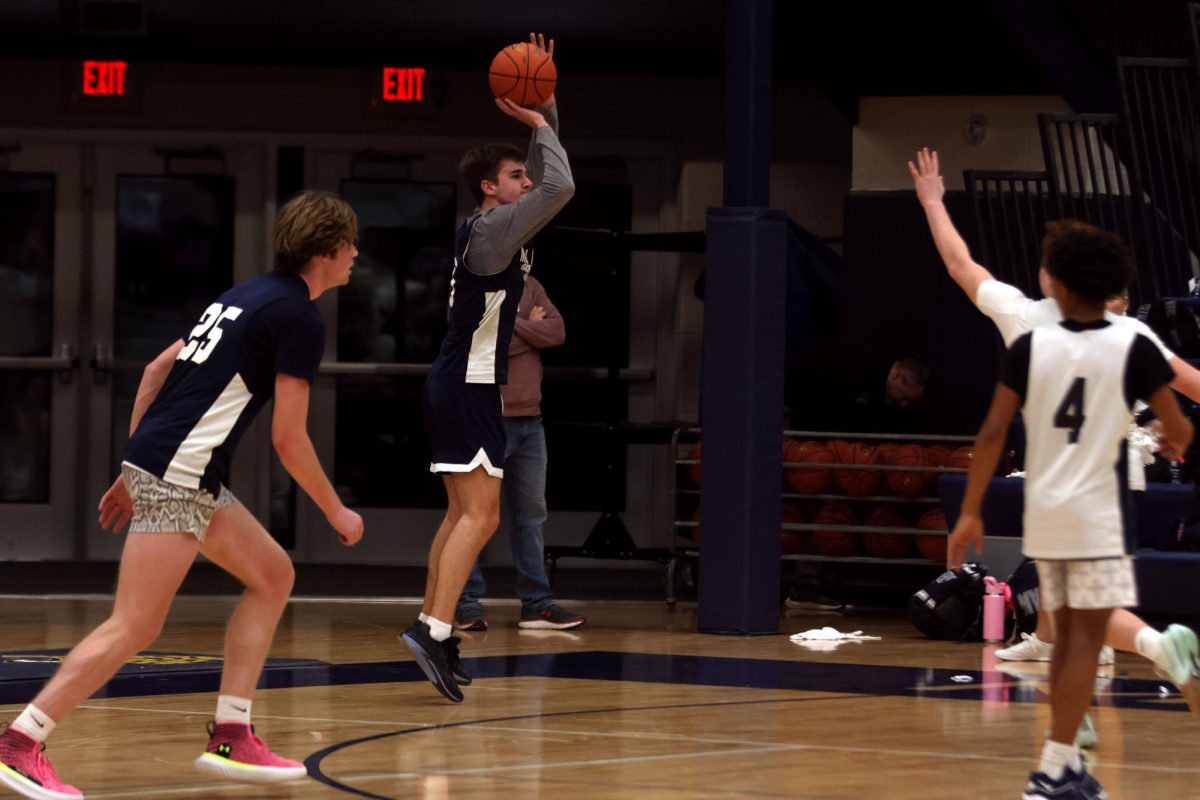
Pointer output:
x,y
551,617
1181,663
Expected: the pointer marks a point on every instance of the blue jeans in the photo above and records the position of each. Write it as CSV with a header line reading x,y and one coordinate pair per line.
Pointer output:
x,y
523,506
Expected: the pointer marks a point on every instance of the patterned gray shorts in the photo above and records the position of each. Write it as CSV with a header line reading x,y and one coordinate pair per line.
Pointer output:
x,y
1087,583
161,506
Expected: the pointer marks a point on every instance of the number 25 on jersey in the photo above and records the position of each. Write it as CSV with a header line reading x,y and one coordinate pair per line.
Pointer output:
x,y
204,337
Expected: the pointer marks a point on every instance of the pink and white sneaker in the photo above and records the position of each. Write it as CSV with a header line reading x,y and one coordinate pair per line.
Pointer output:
x,y
235,754
25,769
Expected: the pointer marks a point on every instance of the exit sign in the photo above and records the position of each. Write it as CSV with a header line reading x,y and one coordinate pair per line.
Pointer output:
x,y
103,78
104,85
403,92
403,84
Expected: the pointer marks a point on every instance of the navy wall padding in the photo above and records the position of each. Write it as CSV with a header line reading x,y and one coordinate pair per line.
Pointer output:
x,y
1168,581
741,408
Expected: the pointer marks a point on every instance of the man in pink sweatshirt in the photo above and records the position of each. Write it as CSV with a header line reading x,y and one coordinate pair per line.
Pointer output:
x,y
523,490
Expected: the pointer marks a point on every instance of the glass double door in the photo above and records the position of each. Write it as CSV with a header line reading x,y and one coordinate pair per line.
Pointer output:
x,y
107,253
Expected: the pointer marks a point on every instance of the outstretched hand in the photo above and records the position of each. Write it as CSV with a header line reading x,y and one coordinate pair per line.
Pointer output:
x,y
927,178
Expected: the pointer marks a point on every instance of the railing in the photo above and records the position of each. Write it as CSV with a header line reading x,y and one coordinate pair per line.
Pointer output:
x,y
1159,106
1010,211
1089,181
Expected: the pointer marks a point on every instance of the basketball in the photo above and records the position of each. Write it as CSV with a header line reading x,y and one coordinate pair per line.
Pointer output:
x,y
523,73
886,450
960,458
802,479
907,484
933,547
693,470
937,454
856,482
887,545
791,541
835,542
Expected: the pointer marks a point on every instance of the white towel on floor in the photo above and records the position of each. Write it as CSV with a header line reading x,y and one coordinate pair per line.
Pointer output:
x,y
829,634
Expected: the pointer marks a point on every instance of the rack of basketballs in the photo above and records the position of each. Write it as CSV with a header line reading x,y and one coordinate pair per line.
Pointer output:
x,y
853,497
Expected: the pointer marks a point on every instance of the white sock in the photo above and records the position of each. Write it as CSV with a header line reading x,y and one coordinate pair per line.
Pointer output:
x,y
1056,757
438,630
1149,643
422,617
233,709
34,723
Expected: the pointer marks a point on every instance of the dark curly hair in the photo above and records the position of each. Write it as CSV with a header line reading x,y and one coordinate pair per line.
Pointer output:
x,y
1090,262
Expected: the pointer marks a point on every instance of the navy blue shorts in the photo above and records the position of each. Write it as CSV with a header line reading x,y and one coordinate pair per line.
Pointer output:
x,y
465,426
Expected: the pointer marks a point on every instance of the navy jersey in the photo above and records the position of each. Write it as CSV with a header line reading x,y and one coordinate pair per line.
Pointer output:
x,y
483,313
223,375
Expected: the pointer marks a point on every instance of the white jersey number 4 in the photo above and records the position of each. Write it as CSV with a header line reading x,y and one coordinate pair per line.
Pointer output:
x,y
204,337
1070,411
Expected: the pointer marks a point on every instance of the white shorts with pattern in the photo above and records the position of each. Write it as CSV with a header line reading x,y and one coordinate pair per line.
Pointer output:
x,y
1087,583
159,506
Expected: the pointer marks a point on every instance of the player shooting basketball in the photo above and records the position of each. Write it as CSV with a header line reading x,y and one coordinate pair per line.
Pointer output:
x,y
463,415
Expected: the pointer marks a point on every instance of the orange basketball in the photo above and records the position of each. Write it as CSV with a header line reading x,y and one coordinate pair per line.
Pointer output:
x,y
937,454
886,450
693,470
856,482
791,541
961,458
803,479
887,545
835,542
933,547
907,484
523,73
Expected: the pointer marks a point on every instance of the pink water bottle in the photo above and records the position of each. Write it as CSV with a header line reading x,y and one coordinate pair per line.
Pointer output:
x,y
993,609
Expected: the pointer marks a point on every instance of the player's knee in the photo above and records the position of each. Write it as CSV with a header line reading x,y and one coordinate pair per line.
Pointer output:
x,y
279,578
138,631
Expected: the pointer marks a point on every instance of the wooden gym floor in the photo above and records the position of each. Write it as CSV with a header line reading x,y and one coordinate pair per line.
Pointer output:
x,y
633,705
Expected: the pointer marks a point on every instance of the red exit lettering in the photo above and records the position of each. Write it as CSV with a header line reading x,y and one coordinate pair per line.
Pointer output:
x,y
104,77
404,84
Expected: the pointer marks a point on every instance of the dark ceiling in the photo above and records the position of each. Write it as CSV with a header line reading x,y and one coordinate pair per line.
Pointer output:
x,y
854,47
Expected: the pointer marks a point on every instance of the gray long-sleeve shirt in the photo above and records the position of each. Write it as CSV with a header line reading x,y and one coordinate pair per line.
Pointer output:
x,y
500,232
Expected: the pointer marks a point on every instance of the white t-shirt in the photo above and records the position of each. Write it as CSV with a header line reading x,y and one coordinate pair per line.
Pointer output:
x,y
1015,314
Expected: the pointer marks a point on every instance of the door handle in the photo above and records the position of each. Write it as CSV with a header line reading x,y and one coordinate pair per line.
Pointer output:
x,y
101,364
63,364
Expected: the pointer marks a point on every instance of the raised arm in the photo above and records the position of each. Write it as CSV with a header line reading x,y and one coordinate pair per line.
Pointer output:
x,y
927,180
501,231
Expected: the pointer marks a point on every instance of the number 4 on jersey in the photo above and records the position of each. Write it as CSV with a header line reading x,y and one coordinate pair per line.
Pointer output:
x,y
204,337
1070,411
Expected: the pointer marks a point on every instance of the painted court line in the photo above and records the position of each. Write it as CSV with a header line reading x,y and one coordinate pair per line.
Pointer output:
x,y
385,722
